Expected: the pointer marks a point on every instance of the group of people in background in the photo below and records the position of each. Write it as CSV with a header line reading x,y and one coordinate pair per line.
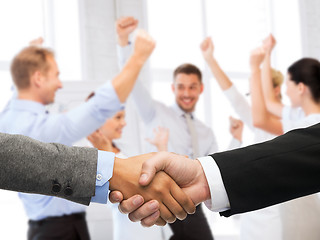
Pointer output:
x,y
175,128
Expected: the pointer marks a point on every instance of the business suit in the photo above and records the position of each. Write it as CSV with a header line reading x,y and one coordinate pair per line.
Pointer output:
x,y
265,174
51,169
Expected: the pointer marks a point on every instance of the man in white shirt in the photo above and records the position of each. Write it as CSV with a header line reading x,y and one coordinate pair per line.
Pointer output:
x,y
188,135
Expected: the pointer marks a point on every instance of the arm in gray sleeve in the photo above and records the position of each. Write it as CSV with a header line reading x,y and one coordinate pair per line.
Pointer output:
x,y
51,169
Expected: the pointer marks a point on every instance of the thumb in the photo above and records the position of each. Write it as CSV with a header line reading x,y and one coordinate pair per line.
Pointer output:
x,y
151,166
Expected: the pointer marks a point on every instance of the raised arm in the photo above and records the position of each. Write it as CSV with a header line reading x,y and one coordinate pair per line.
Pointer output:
x,y
141,96
272,103
123,83
237,101
261,117
207,49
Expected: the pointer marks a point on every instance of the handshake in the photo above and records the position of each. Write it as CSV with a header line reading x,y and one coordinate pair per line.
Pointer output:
x,y
157,188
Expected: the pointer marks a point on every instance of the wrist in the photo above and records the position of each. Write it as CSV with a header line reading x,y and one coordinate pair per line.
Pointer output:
x,y
210,59
204,190
138,58
123,41
255,69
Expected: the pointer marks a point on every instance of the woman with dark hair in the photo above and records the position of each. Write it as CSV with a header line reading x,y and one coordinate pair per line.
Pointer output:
x,y
300,218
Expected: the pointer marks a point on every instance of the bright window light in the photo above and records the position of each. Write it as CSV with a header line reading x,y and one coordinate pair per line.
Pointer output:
x,y
20,22
66,39
178,32
236,27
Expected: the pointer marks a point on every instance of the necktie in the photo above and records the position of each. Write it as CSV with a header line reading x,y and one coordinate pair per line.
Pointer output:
x,y
193,133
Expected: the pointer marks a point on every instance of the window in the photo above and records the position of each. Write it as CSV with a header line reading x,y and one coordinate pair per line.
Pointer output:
x,y
56,21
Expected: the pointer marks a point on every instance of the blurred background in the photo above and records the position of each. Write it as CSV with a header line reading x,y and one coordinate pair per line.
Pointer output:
x,y
82,34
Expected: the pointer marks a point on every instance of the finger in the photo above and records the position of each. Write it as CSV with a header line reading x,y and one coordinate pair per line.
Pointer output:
x,y
160,222
131,204
150,167
152,220
175,207
184,200
115,196
146,210
166,214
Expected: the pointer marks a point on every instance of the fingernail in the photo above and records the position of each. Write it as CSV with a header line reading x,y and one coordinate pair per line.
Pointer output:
x,y
143,178
137,201
116,198
154,205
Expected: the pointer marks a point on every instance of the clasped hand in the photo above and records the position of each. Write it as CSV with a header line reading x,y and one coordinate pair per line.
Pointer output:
x,y
176,182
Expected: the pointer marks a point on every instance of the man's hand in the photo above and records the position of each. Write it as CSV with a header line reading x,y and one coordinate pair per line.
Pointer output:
x,y
187,173
143,46
124,27
99,141
207,49
236,128
173,201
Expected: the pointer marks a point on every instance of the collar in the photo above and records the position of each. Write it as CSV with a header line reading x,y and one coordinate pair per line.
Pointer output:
x,y
180,112
27,105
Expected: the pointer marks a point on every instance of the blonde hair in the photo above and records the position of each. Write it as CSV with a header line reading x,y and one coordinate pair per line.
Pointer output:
x,y
27,62
277,77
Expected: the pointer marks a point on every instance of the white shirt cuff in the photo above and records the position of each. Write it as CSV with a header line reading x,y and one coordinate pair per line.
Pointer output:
x,y
219,201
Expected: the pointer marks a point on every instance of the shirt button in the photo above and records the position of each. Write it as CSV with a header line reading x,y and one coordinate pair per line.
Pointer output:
x,y
99,177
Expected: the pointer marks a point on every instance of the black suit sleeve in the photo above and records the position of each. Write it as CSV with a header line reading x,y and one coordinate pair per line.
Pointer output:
x,y
276,171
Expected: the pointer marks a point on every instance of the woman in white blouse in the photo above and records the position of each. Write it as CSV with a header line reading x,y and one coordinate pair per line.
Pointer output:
x,y
263,224
300,217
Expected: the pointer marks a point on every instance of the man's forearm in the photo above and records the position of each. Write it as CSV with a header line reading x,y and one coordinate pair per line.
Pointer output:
x,y
124,82
51,169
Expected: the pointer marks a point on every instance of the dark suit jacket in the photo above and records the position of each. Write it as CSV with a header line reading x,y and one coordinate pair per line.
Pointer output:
x,y
276,171
30,166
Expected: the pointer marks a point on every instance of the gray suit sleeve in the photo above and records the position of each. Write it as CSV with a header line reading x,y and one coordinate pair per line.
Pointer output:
x,y
30,166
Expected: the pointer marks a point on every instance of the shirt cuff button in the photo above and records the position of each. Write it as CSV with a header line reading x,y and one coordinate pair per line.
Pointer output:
x,y
99,177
